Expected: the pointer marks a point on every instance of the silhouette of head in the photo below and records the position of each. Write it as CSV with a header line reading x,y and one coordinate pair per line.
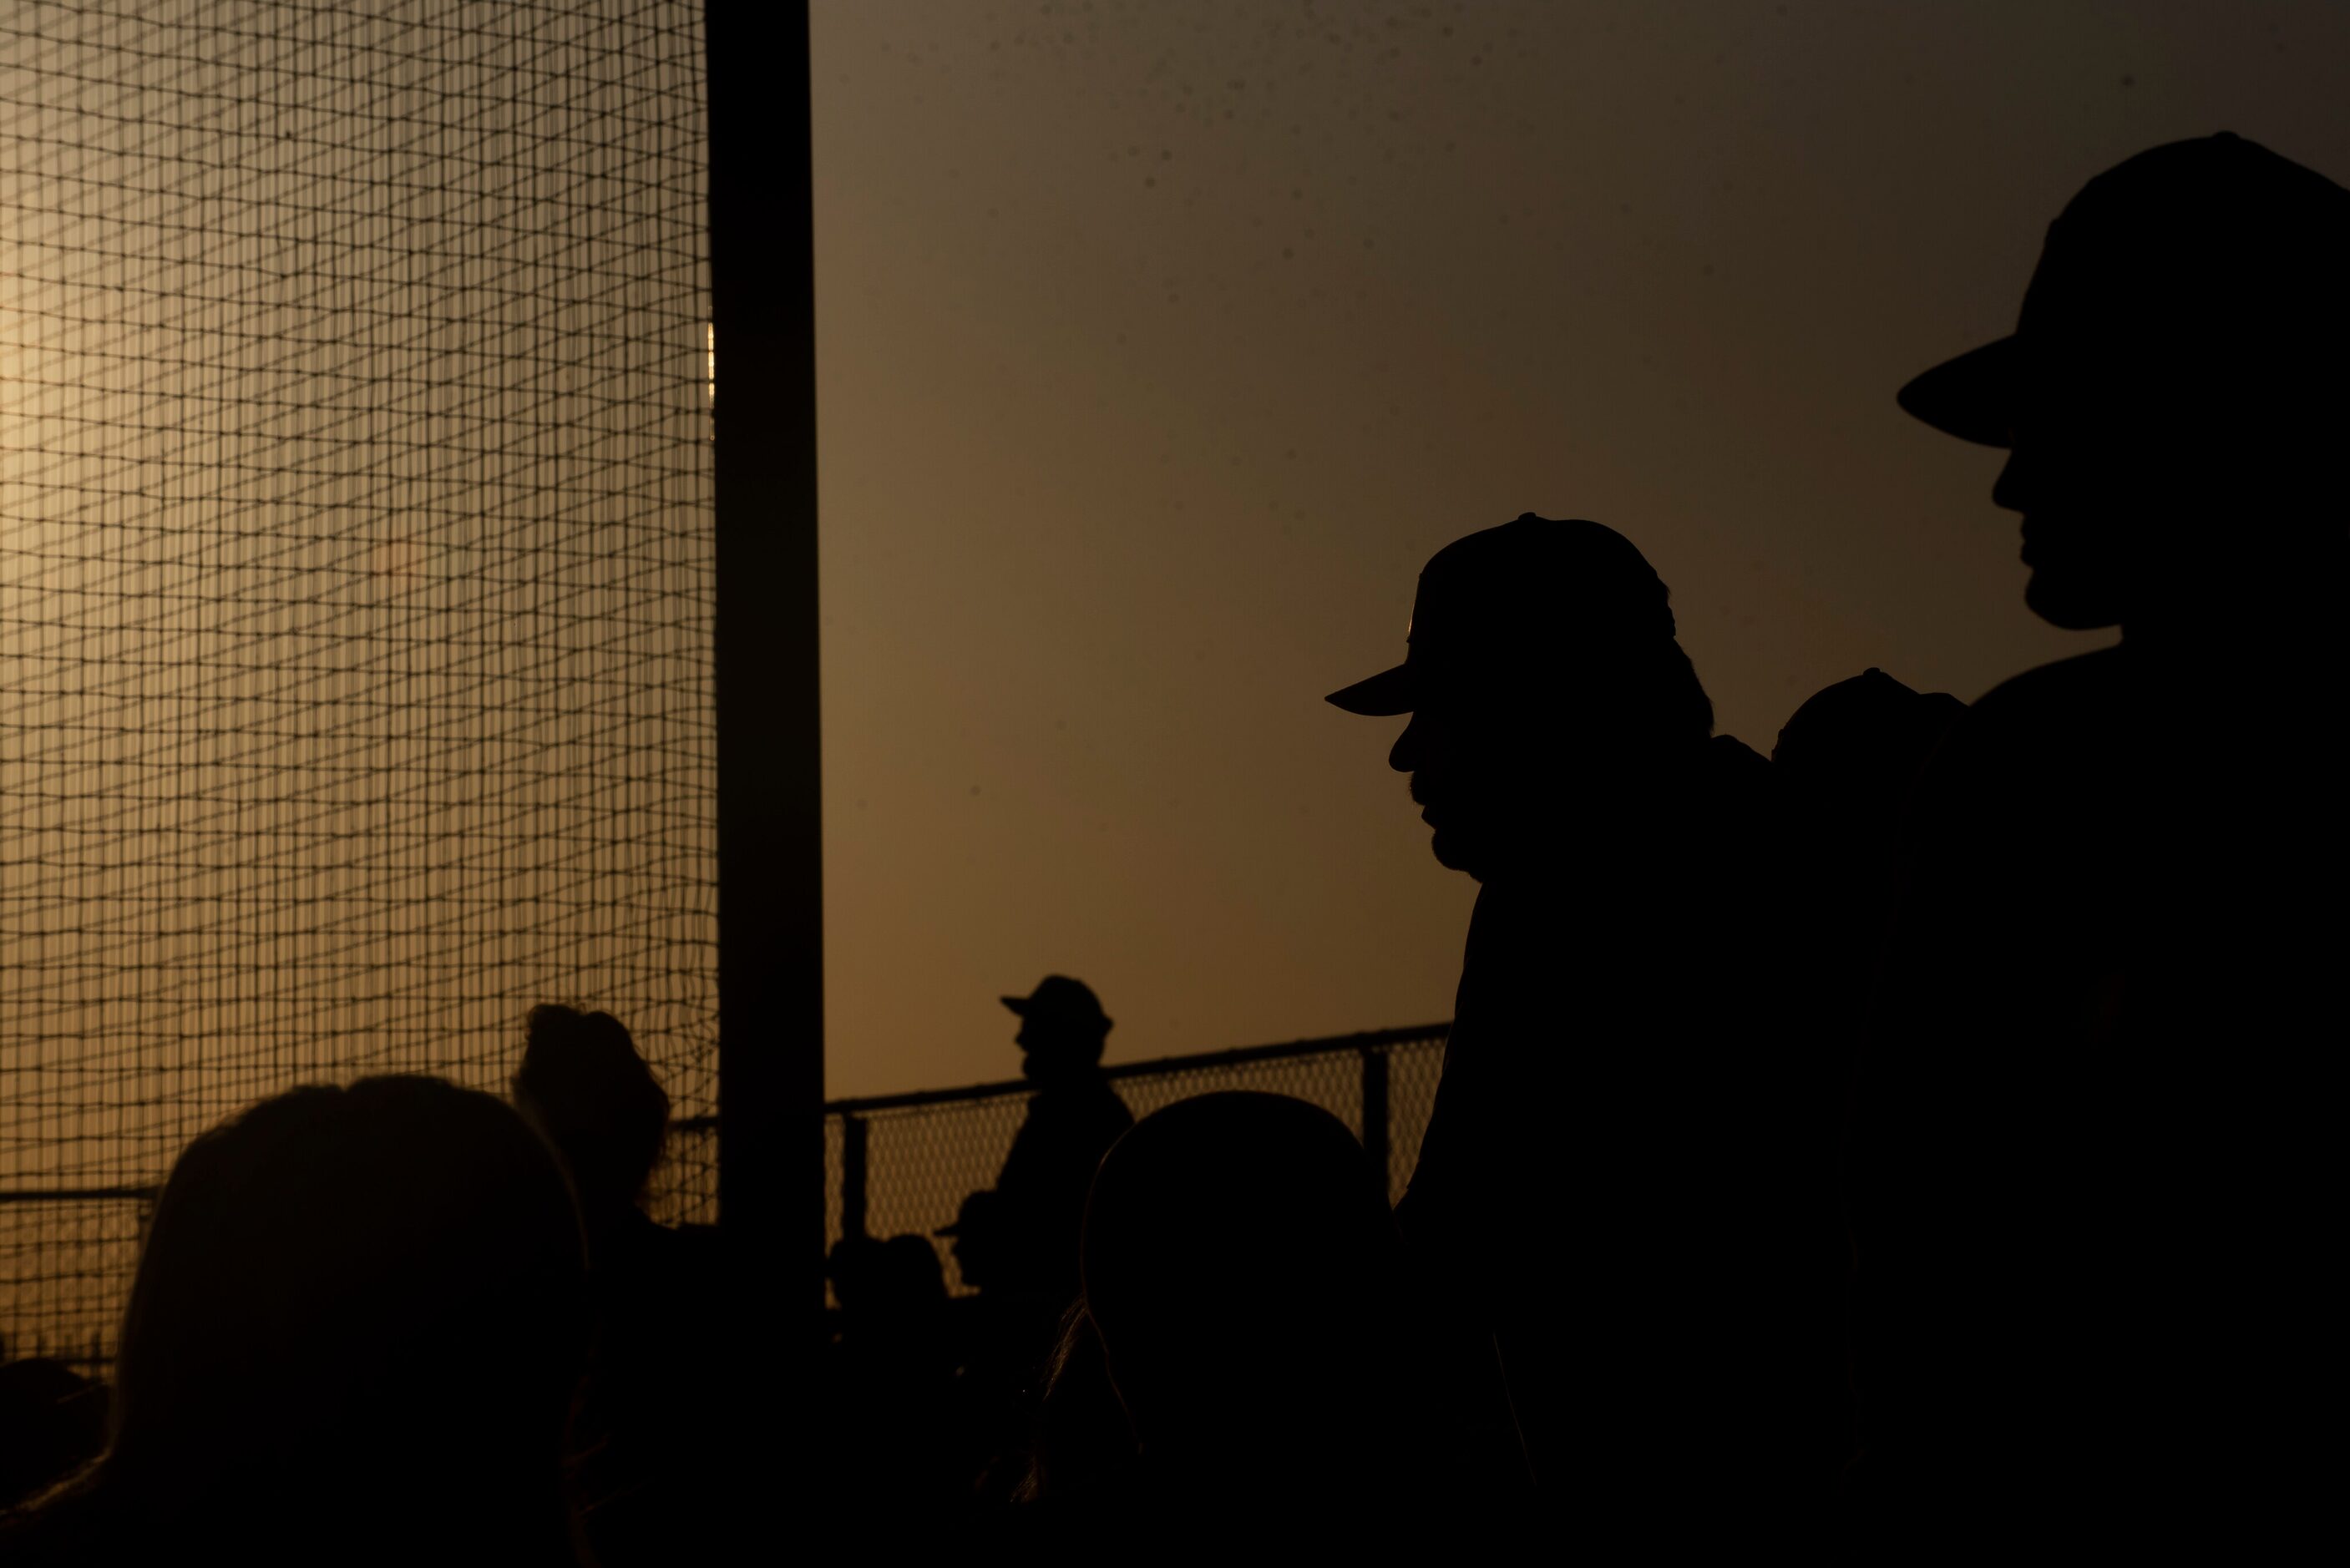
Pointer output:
x,y
583,1084
1240,1266
1062,1030
2173,395
359,1310
1542,671
911,1276
1850,753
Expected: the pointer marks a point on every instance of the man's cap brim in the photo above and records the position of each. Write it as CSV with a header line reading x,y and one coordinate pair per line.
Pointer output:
x,y
1018,1005
1972,396
1384,695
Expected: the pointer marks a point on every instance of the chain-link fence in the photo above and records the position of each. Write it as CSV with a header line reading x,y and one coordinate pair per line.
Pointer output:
x,y
356,575
904,1163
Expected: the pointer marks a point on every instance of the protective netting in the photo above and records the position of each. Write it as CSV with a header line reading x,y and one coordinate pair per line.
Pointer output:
x,y
355,576
920,1159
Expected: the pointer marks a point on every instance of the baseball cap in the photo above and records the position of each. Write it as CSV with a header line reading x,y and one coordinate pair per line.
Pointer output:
x,y
2175,272
1060,998
1509,603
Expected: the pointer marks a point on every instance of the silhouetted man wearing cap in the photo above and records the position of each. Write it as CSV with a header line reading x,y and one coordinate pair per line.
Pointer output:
x,y
2095,1180
1038,1205
1600,1184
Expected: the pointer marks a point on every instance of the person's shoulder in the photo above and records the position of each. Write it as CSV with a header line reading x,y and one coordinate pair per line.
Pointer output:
x,y
1100,1101
2051,691
2030,719
2052,733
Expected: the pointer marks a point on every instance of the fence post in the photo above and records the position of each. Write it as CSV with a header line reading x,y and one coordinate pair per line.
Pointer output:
x,y
770,824
1376,1142
770,830
852,1176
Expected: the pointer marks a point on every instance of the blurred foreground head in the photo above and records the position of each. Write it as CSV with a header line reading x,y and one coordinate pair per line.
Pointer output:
x,y
583,1084
355,1332
1542,674
2174,394
1242,1271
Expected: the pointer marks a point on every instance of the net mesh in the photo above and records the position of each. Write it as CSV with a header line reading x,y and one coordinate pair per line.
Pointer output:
x,y
355,576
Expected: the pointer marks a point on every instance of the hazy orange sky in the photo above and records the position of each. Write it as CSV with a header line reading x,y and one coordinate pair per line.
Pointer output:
x,y
1159,344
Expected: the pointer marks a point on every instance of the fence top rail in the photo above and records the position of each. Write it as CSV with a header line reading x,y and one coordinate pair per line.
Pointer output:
x,y
1158,1066
76,1194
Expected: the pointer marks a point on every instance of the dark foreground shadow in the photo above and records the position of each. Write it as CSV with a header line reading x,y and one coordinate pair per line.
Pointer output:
x,y
2093,1149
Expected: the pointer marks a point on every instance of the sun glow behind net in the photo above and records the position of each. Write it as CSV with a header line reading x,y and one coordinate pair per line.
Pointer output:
x,y
355,576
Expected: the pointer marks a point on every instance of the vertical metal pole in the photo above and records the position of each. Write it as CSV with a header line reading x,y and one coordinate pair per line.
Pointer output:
x,y
770,845
852,1176
1375,1141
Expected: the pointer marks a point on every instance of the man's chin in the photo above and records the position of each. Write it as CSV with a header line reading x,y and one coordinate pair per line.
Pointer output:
x,y
2067,601
1454,856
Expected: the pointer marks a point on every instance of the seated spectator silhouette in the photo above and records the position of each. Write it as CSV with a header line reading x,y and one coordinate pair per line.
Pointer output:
x,y
1245,1280
894,1446
1027,1226
645,1431
1601,1084
354,1335
2096,1151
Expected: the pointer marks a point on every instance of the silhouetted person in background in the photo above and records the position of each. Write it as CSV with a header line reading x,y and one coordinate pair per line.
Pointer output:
x,y
1847,763
893,1442
1029,1222
1609,1179
1016,1242
646,1431
354,1335
1246,1282
2099,1132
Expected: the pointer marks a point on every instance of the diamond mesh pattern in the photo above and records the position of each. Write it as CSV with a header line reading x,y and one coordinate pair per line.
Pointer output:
x,y
355,576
